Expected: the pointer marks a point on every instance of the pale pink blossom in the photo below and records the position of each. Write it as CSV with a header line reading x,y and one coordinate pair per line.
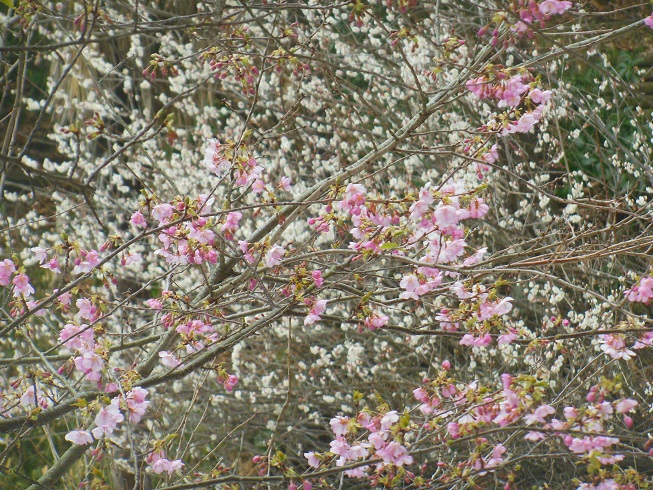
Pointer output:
x,y
274,255
511,94
446,215
258,186
649,21
91,364
87,310
389,419
316,311
354,197
395,453
162,212
340,447
22,285
626,405
77,336
376,321
377,439
312,460
34,397
31,305
410,283
285,184
107,419
168,359
86,262
421,395
538,96
138,220
40,254
539,415
79,437
615,347
136,403
160,464
643,292
7,268
214,159
53,265
551,7
339,425
231,222
154,303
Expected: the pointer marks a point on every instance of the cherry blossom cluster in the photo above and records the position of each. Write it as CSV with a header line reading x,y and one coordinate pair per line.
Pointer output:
x,y
241,67
191,241
467,411
523,15
20,280
383,441
133,404
517,92
160,464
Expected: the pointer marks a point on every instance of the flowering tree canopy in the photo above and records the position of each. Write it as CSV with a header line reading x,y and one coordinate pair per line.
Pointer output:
x,y
391,243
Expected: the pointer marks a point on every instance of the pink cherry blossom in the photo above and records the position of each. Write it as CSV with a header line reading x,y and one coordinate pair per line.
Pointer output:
x,y
317,278
232,222
79,437
285,184
7,268
446,215
77,336
340,447
377,439
312,460
162,212
230,382
107,419
551,7
91,364
138,220
154,303
538,96
339,425
643,292
394,453
86,262
410,283
376,321
136,403
389,419
34,397
168,359
40,254
214,159
615,347
274,255
159,464
539,414
421,395
626,405
354,197
511,95
314,315
22,285
87,310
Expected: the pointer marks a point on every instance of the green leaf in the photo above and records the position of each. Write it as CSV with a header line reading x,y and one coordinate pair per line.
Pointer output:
x,y
8,3
385,246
